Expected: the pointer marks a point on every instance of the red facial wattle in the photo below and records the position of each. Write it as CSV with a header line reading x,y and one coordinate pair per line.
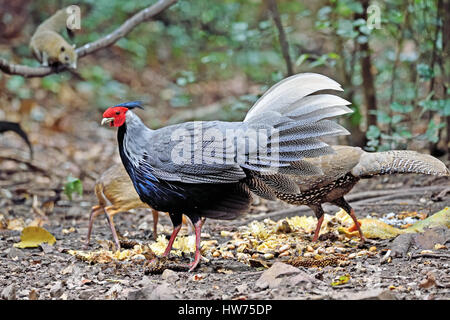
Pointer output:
x,y
116,113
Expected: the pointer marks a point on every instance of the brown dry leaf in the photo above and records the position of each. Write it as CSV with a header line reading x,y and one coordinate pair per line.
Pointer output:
x,y
16,224
3,222
181,244
106,256
38,222
411,214
48,206
439,246
33,295
225,271
255,263
429,282
67,231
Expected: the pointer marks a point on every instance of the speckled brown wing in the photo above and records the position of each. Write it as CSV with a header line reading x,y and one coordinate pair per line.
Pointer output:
x,y
333,166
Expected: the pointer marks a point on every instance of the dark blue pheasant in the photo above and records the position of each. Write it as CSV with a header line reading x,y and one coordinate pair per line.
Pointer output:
x,y
207,169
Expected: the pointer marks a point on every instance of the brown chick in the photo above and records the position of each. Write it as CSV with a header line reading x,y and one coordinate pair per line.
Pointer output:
x,y
114,186
343,169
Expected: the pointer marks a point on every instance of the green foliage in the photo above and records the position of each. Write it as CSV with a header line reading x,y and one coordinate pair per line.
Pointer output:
x,y
441,106
107,90
16,85
200,41
73,185
432,131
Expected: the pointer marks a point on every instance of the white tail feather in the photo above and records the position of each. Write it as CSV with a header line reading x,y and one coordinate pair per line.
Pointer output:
x,y
289,91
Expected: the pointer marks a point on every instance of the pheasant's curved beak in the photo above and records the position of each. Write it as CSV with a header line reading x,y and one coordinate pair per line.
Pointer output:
x,y
107,120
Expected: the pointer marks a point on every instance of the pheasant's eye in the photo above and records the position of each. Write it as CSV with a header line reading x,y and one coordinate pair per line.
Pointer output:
x,y
117,112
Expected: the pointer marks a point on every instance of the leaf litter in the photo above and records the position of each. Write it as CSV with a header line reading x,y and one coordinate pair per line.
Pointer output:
x,y
260,243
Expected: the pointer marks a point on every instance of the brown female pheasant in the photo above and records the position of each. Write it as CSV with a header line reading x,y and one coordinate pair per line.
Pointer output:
x,y
341,171
115,193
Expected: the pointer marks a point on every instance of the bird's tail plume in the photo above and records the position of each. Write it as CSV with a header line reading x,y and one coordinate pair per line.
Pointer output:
x,y
398,161
298,121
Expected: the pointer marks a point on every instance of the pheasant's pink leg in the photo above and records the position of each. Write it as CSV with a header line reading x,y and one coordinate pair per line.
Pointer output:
x,y
316,233
109,217
198,231
96,210
171,240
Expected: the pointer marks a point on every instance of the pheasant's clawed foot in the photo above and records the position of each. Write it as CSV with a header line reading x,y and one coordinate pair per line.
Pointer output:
x,y
356,226
194,263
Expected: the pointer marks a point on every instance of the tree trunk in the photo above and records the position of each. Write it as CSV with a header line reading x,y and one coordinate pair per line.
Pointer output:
x,y
440,13
445,63
345,72
366,73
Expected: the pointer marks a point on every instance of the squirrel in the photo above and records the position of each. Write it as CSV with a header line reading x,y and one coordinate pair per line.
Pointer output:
x,y
49,47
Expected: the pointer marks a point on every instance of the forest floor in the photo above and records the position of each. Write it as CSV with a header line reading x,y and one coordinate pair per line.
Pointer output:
x,y
30,194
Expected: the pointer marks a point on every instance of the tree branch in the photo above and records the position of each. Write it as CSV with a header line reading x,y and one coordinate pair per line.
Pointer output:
x,y
113,37
281,35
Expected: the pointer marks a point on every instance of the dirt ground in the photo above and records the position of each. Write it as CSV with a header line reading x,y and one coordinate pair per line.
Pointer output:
x,y
30,192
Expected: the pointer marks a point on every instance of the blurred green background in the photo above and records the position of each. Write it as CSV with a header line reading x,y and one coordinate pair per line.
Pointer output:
x,y
211,59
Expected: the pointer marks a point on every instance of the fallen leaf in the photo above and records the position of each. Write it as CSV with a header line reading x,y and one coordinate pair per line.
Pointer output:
x,y
225,271
37,222
254,263
107,256
429,282
16,224
180,245
441,218
32,237
33,295
376,229
67,231
373,229
3,222
341,280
